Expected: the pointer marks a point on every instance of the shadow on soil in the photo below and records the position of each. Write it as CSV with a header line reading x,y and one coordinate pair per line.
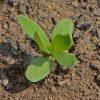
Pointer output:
x,y
13,71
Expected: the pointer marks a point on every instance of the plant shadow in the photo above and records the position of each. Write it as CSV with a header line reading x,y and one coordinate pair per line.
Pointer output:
x,y
13,63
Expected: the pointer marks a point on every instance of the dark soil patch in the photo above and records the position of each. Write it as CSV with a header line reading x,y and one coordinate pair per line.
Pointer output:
x,y
16,50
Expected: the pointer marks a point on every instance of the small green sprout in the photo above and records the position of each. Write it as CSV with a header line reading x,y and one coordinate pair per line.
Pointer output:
x,y
56,49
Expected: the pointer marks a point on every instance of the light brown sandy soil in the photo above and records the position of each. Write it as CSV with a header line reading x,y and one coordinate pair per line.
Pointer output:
x,y
16,50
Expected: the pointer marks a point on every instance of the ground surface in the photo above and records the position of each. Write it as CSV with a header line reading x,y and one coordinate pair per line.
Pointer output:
x,y
16,50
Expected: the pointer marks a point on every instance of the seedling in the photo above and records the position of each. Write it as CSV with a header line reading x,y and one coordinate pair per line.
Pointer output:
x,y
56,49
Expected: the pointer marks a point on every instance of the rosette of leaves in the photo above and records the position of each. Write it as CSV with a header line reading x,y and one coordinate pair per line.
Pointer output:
x,y
56,49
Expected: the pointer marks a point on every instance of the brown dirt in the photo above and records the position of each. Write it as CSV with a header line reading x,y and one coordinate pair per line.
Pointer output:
x,y
16,50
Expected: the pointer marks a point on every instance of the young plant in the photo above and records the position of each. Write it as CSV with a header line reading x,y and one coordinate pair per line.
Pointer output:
x,y
56,50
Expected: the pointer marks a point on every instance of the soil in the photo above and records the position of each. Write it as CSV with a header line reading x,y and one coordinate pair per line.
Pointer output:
x,y
17,49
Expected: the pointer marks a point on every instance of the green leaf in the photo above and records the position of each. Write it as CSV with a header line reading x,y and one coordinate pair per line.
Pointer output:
x,y
63,27
65,59
35,32
38,69
62,43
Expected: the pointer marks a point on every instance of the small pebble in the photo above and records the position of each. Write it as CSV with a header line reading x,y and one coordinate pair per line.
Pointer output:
x,y
5,26
53,89
5,82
